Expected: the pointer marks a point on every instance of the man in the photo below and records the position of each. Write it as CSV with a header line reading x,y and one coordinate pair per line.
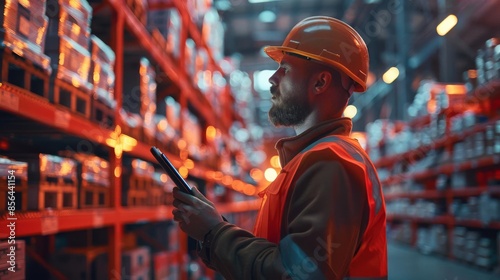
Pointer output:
x,y
324,215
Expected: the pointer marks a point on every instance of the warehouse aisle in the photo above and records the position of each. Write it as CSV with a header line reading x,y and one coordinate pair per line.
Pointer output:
x,y
408,264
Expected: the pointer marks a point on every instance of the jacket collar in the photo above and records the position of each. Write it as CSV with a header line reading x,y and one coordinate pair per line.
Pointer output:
x,y
289,147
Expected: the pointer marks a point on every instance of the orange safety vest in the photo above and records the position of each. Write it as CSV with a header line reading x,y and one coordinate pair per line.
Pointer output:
x,y
370,261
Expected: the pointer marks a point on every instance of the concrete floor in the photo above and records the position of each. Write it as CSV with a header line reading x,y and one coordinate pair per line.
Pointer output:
x,y
406,263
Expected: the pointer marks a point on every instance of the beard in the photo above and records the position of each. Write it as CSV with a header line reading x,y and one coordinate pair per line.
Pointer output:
x,y
291,111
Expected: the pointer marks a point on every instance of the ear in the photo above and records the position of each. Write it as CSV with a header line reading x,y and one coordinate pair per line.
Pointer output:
x,y
322,81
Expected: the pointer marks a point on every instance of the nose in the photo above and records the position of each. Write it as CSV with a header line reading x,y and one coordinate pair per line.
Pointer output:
x,y
273,80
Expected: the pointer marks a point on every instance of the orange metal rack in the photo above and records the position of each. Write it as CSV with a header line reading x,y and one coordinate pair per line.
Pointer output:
x,y
27,105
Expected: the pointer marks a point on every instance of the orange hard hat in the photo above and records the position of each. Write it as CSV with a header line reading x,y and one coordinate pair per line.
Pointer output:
x,y
330,41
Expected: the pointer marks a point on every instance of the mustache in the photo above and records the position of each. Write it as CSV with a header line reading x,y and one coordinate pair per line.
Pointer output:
x,y
273,90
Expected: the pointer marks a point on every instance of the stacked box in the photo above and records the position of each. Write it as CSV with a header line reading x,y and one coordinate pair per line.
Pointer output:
x,y
174,268
165,133
498,249
174,33
489,135
24,30
136,263
488,61
470,79
173,114
86,263
102,77
13,184
485,253
480,66
68,42
94,183
458,246
22,41
219,89
13,262
148,99
471,243
52,181
491,64
168,125
132,124
192,133
157,194
160,265
190,57
137,182
201,65
213,33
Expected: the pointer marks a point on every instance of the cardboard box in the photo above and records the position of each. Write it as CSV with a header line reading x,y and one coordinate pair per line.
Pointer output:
x,y
136,261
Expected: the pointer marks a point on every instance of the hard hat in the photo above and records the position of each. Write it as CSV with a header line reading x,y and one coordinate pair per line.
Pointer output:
x,y
330,41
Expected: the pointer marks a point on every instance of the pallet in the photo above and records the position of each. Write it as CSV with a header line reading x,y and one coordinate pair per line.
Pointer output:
x,y
102,114
137,198
71,97
21,198
94,196
22,73
53,196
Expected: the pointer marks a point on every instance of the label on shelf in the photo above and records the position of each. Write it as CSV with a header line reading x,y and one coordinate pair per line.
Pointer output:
x,y
97,219
9,100
62,119
49,224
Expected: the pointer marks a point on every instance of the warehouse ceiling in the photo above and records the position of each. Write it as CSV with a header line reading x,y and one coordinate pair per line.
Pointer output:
x,y
397,32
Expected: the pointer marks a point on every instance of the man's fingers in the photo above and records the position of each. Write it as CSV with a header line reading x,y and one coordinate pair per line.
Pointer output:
x,y
182,196
198,194
177,215
186,209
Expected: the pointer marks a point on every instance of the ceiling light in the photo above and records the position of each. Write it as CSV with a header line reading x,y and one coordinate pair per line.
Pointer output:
x,y
350,111
223,5
267,16
391,75
261,1
446,25
270,174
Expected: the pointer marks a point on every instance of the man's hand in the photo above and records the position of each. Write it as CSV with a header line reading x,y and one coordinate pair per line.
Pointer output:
x,y
196,214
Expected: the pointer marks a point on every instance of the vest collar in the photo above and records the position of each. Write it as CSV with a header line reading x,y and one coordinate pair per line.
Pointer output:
x,y
289,147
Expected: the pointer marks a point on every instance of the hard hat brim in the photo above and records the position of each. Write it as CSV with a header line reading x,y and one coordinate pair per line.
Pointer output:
x,y
277,52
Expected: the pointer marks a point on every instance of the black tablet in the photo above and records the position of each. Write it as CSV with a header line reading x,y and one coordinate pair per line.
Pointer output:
x,y
171,171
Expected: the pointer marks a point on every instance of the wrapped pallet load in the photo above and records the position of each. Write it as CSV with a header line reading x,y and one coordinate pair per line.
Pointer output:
x,y
102,77
68,42
22,37
148,99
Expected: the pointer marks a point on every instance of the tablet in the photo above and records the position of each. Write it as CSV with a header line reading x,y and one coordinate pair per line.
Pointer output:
x,y
171,171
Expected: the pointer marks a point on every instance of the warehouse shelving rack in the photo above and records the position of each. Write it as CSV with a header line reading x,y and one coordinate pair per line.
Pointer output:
x,y
483,97
38,110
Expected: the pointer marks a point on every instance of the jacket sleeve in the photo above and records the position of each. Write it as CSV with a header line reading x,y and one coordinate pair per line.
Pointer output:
x,y
321,232
326,219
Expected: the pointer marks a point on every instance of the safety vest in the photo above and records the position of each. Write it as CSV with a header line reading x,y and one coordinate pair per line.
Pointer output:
x,y
370,261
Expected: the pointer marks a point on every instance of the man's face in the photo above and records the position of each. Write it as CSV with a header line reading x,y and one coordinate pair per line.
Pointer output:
x,y
289,91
